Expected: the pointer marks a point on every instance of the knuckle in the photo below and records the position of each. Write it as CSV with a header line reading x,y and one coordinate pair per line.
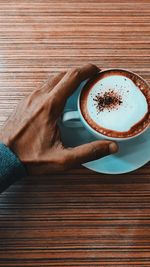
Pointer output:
x,y
94,151
75,159
75,73
62,164
100,150
92,66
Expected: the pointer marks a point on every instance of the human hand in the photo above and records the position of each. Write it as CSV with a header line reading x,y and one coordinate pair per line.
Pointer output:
x,y
33,134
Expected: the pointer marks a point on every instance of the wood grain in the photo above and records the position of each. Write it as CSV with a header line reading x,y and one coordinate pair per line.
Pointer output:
x,y
79,218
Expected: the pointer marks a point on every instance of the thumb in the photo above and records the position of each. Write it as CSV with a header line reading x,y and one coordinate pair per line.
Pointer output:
x,y
91,151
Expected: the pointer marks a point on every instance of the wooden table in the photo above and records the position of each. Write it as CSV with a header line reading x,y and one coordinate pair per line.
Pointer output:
x,y
79,218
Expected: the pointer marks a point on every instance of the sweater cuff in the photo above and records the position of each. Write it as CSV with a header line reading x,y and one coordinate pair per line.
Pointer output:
x,y
11,168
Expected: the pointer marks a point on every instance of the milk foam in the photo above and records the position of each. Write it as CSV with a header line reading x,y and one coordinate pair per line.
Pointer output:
x,y
132,109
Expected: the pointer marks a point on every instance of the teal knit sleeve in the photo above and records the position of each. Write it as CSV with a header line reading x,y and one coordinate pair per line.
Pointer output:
x,y
11,168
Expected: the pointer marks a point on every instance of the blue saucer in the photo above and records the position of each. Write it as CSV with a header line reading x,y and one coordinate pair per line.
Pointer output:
x,y
132,154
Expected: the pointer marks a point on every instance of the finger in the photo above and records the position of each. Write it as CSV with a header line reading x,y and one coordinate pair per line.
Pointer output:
x,y
91,151
71,81
51,82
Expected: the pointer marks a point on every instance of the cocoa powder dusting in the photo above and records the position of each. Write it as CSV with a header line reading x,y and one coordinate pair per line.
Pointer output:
x,y
109,100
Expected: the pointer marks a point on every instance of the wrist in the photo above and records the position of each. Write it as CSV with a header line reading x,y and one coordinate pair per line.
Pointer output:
x,y
11,169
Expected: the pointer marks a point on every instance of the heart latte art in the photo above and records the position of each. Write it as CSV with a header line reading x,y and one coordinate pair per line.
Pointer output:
x,y
116,103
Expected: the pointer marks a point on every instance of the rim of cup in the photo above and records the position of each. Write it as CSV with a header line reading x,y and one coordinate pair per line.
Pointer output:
x,y
98,134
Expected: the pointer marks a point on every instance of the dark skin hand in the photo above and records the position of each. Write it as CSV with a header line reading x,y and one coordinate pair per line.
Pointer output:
x,y
33,134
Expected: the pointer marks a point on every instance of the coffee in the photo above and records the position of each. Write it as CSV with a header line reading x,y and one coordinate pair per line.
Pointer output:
x,y
116,103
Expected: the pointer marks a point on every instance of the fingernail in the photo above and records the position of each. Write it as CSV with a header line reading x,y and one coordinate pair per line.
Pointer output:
x,y
113,148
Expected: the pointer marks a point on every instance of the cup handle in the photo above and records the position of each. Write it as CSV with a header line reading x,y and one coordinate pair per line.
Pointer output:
x,y
71,119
